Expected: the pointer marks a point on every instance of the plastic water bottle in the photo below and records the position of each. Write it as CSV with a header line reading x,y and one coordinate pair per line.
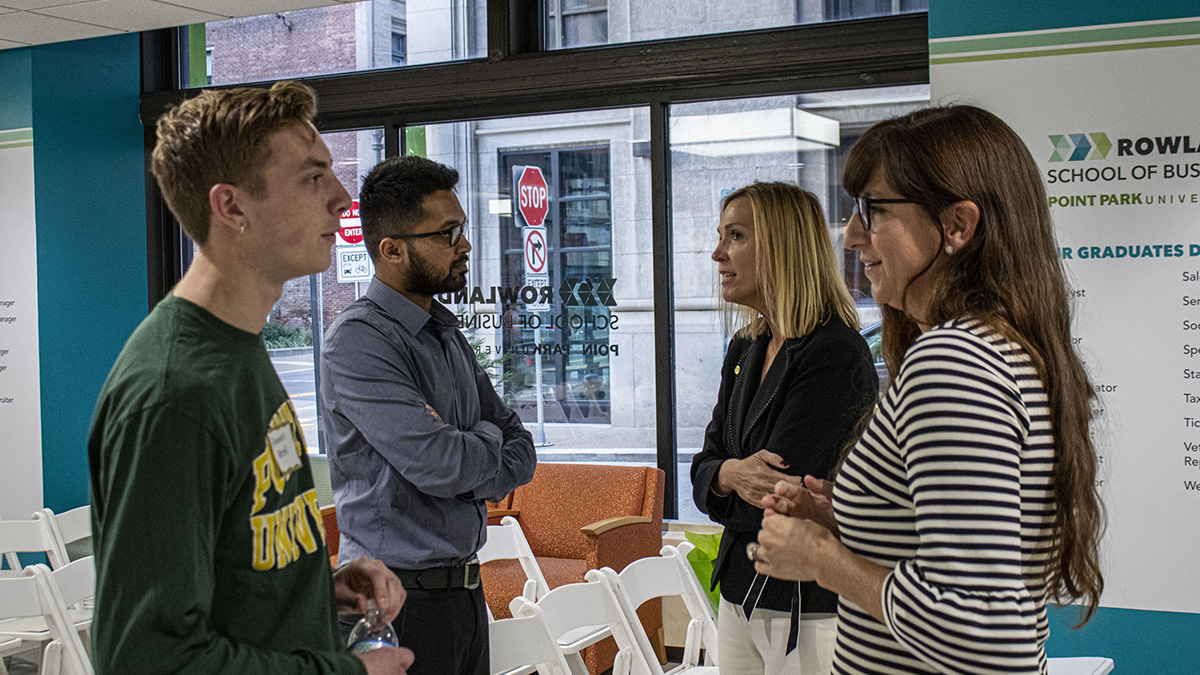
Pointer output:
x,y
371,631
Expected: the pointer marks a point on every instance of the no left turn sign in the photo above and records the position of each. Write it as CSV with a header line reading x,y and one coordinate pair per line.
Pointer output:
x,y
535,250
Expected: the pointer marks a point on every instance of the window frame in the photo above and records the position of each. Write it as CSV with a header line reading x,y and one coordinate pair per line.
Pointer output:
x,y
521,76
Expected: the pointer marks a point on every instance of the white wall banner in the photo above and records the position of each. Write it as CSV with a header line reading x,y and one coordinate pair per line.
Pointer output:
x,y
20,392
1109,113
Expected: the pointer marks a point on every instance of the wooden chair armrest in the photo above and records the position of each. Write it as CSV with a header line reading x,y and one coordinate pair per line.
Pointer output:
x,y
601,526
500,513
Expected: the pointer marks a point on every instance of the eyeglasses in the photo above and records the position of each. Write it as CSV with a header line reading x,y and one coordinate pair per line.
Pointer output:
x,y
452,234
862,206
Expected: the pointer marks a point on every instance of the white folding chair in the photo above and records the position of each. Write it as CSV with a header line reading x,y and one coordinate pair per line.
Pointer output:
x,y
66,587
506,541
23,536
65,528
670,575
34,598
523,645
580,615
8,646
1080,665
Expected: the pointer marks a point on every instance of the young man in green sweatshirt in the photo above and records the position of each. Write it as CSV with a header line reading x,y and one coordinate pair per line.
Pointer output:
x,y
209,542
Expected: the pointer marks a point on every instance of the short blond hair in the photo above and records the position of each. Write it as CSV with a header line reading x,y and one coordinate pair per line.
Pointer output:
x,y
221,137
798,275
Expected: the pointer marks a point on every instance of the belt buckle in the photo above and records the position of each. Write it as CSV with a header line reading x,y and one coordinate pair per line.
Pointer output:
x,y
467,584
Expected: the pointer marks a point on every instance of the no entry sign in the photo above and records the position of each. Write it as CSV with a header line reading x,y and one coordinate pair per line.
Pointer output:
x,y
532,196
351,232
535,250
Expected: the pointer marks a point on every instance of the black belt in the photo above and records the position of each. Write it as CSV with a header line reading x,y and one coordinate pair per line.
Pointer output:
x,y
441,578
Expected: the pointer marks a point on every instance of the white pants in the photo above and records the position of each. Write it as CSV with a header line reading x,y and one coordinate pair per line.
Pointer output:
x,y
758,646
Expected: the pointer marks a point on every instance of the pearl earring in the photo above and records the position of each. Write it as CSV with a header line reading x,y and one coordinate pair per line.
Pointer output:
x,y
949,248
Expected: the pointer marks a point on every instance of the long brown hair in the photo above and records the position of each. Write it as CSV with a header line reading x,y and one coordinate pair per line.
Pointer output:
x,y
1009,275
797,272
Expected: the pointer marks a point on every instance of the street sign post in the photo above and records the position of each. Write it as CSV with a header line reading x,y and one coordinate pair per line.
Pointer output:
x,y
531,199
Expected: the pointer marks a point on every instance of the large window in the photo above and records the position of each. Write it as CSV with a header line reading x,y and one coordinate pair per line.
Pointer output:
x,y
716,148
558,303
596,313
309,304
340,38
578,23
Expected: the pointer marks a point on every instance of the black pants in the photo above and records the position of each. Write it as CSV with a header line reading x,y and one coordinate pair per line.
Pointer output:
x,y
447,631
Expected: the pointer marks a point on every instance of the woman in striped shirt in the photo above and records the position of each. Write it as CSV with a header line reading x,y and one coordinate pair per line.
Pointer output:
x,y
969,500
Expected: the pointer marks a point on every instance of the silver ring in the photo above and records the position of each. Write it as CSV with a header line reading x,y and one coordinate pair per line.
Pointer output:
x,y
752,551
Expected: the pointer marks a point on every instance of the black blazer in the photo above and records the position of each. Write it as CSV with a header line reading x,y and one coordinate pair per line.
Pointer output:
x,y
817,389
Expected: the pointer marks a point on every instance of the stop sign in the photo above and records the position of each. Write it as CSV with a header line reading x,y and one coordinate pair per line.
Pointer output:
x,y
532,196
351,231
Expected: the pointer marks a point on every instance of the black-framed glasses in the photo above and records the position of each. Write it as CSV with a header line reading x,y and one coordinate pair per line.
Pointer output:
x,y
452,234
862,206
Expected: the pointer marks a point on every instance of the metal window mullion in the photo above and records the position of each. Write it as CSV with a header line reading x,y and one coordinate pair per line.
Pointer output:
x,y
394,136
664,305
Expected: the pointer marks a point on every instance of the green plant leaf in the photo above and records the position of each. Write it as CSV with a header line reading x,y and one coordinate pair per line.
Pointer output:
x,y
701,559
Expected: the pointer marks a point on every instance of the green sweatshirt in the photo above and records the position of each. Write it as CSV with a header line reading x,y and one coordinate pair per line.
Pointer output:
x,y
210,555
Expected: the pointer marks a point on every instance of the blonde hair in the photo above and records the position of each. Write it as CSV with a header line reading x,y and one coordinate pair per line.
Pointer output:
x,y
221,137
798,274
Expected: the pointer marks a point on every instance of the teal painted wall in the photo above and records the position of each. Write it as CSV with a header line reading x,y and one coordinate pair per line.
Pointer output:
x,y
15,89
89,192
1139,642
956,18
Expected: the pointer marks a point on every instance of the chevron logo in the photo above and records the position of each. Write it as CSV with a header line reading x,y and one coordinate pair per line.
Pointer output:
x,y
1076,147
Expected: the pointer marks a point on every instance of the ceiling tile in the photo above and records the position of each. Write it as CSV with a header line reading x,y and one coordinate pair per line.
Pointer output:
x,y
37,29
130,15
9,44
37,4
249,7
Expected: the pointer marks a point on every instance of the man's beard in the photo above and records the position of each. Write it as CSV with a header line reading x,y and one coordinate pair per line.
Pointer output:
x,y
425,280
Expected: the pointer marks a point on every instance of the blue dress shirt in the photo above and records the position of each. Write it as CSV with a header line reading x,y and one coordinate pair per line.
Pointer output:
x,y
410,489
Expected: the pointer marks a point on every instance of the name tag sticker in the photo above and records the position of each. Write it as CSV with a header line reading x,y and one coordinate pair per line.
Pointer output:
x,y
283,448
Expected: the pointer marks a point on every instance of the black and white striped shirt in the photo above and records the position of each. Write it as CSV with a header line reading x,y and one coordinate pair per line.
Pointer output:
x,y
950,487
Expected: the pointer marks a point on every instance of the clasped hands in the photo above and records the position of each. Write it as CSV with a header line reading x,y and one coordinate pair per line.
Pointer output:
x,y
799,532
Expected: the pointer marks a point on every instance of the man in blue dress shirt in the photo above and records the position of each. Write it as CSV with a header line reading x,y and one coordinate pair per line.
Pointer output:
x,y
418,437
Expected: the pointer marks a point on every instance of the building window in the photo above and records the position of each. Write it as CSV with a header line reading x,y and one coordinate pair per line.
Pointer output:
x,y
576,23
208,51
838,10
574,348
399,44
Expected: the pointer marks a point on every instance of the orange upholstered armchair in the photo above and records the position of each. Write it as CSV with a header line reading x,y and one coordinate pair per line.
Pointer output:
x,y
579,517
332,535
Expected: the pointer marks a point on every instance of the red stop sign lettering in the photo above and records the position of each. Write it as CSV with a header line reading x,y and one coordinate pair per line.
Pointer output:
x,y
533,196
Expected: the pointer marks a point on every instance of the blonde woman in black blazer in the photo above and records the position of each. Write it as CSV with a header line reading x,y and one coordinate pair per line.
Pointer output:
x,y
797,377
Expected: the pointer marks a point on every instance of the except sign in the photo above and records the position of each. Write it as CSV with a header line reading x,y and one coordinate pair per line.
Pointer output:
x,y
533,196
538,281
535,250
353,264
351,232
